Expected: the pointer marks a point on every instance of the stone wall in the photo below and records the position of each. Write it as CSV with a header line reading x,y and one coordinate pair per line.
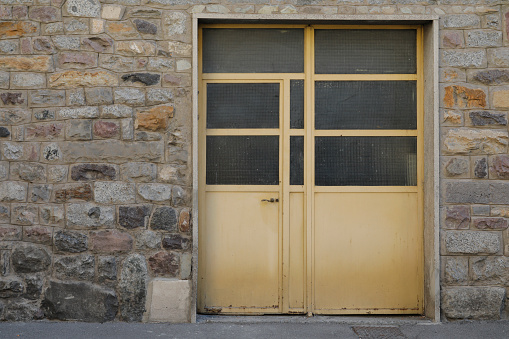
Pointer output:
x,y
95,149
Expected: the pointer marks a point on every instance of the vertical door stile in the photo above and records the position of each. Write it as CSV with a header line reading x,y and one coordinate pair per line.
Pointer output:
x,y
420,155
308,161
285,201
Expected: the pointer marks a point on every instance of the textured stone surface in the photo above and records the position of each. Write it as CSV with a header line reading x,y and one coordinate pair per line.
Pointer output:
x,y
473,302
83,8
13,191
164,264
77,267
455,270
71,192
471,242
464,58
133,287
28,258
474,141
90,215
133,216
70,241
154,119
457,217
481,168
107,269
79,301
499,167
147,79
485,118
114,192
106,129
114,151
72,79
139,172
155,192
88,172
110,241
490,223
456,166
464,97
490,77
164,218
175,242
38,234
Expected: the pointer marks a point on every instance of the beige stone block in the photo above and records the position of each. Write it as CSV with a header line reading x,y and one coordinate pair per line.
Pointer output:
x,y
96,26
501,98
112,12
168,300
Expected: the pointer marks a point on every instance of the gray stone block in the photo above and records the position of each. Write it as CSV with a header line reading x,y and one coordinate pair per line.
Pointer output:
x,y
484,38
114,193
90,215
77,267
490,270
461,21
473,302
455,270
464,58
472,242
467,192
133,287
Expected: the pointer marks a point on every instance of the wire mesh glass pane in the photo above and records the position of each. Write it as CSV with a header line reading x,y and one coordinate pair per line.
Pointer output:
x,y
296,160
362,51
366,161
242,160
243,105
253,50
365,105
297,104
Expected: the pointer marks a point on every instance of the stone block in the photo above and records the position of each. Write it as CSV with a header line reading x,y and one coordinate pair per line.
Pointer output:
x,y
486,118
114,151
43,114
132,288
117,111
75,97
146,27
160,64
489,270
70,241
79,301
164,218
106,129
11,287
101,44
33,285
11,191
99,96
88,215
96,26
483,38
64,42
499,167
457,217
139,172
69,60
134,216
117,63
155,192
490,223
121,30
114,192
112,12
17,29
85,112
461,21
51,215
51,152
133,48
456,166
28,171
500,98
498,57
44,14
464,58
22,214
73,79
142,79
39,192
473,302
452,39
46,98
154,119
127,129
176,242
27,80
110,241
53,28
77,267
14,116
39,63
10,233
76,26
148,240
20,151
5,213
169,300
129,96
87,172
4,170
489,76
44,132
472,242
30,258
9,47
71,192
18,98
164,263
79,130
455,270
176,25
475,141
467,96
82,8
480,167
106,269
57,173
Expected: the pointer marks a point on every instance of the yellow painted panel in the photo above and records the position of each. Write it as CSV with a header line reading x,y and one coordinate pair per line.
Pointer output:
x,y
239,253
297,253
368,253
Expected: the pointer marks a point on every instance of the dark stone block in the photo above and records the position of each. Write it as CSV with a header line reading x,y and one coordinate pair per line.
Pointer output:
x,y
164,218
88,172
4,132
133,288
30,258
11,98
73,242
144,26
10,287
145,78
481,168
176,242
164,264
492,76
22,310
80,267
133,216
107,269
45,115
33,287
483,118
79,301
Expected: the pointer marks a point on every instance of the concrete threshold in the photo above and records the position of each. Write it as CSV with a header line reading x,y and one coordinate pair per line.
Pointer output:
x,y
317,319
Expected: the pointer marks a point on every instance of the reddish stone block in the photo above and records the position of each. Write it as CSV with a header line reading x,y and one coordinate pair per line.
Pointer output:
x,y
164,263
490,223
111,241
47,131
452,39
8,233
457,217
106,129
37,234
500,166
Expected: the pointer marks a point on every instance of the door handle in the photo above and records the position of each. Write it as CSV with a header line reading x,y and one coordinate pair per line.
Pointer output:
x,y
271,200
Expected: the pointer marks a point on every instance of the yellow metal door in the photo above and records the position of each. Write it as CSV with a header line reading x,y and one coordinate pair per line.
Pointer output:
x,y
310,192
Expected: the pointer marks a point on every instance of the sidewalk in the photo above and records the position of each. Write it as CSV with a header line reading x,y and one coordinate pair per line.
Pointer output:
x,y
254,327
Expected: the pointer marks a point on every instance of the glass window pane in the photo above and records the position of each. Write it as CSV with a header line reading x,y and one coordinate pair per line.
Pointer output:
x,y
297,104
242,160
241,105
365,161
365,105
296,160
253,50
362,51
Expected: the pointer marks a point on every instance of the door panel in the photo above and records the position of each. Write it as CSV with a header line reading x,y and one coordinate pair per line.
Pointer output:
x,y
241,248
367,253
296,281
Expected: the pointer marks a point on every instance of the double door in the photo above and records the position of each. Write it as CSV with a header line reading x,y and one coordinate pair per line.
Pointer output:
x,y
310,171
